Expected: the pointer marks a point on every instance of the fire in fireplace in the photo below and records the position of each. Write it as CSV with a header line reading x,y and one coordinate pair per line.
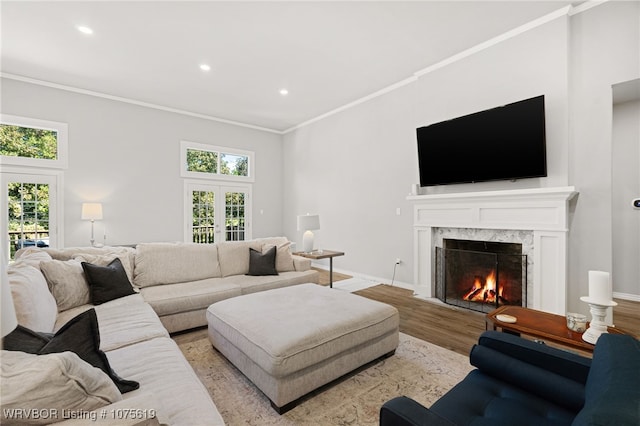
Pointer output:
x,y
481,275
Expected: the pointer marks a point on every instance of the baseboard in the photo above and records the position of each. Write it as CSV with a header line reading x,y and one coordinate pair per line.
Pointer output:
x,y
377,280
626,296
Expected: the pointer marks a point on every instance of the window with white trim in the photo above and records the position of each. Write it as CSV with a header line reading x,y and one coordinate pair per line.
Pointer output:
x,y
31,142
215,213
32,154
202,161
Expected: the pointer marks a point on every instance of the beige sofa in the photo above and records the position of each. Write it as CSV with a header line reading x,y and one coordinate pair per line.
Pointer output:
x,y
176,282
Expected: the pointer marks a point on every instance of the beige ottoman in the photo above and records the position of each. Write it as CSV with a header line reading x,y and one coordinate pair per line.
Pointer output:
x,y
292,340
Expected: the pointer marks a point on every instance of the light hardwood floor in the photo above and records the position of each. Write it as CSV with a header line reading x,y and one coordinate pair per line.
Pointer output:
x,y
455,328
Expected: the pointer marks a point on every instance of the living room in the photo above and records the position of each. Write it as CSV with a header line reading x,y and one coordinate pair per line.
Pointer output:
x,y
354,163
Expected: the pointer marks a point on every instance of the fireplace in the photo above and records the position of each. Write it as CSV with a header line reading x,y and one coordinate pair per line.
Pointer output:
x,y
481,275
538,218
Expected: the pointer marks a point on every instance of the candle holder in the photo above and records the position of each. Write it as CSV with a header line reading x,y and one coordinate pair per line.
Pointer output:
x,y
598,309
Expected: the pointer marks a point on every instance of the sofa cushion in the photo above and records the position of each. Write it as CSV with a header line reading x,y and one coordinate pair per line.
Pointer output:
x,y
158,364
234,256
107,282
60,381
536,380
262,263
34,304
32,256
613,386
66,282
80,335
192,296
484,400
122,322
252,284
169,263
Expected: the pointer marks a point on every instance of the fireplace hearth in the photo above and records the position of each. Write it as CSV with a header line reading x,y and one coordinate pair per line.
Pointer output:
x,y
481,275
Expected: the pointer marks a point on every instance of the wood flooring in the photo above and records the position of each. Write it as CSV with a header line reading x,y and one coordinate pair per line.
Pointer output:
x,y
455,328
447,326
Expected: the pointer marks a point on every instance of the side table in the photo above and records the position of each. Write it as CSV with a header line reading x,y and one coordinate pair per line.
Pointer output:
x,y
541,325
322,254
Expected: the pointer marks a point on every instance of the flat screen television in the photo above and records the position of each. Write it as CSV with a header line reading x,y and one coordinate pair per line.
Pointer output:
x,y
502,143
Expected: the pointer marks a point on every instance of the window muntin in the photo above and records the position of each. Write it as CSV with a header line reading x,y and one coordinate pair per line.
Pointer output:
x,y
216,213
203,161
34,143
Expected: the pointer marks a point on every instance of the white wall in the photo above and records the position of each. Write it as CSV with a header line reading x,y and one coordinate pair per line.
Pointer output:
x,y
356,168
127,157
605,50
625,187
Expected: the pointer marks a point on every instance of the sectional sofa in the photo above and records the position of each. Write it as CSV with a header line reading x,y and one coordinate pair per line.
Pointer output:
x,y
136,297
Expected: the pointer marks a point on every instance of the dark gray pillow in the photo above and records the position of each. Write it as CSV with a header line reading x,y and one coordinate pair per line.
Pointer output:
x,y
107,282
80,335
262,263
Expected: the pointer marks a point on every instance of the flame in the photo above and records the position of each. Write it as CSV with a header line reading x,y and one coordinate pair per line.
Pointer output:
x,y
484,291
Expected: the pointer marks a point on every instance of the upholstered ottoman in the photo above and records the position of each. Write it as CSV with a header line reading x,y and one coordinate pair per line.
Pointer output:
x,y
292,340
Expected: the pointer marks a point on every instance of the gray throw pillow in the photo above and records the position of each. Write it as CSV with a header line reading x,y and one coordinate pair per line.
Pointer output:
x,y
107,282
262,263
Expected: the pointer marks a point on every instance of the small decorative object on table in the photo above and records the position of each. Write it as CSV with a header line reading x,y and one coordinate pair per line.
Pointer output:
x,y
599,299
576,322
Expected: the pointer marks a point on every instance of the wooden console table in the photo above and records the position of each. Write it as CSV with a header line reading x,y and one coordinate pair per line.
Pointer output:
x,y
540,325
322,254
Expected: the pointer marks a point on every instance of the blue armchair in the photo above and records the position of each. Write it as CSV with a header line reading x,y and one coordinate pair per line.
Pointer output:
x,y
520,382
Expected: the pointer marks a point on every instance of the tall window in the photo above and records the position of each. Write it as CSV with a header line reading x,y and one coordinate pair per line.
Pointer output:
x,y
32,152
216,213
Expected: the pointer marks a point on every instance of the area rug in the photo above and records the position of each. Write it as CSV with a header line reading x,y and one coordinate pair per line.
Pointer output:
x,y
418,369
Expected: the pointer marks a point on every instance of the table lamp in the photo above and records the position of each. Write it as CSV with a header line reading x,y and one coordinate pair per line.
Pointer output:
x,y
92,212
308,223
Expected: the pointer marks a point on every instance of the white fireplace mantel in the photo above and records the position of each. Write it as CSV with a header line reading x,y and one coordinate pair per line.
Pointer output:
x,y
544,211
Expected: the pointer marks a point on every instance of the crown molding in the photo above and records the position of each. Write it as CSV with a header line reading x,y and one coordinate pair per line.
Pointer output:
x,y
133,102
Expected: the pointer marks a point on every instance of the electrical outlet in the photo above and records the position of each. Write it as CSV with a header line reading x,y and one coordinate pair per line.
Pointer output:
x,y
398,261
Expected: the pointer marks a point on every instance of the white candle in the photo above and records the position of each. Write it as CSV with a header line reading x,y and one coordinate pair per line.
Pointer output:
x,y
599,286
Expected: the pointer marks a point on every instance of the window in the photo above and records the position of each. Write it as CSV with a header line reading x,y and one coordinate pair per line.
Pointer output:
x,y
32,143
213,162
216,213
30,210
30,152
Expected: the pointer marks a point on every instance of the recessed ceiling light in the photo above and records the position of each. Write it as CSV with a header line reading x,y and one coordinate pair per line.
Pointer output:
x,y
84,30
284,92
205,67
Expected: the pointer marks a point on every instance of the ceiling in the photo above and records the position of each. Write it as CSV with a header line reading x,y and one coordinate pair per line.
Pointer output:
x,y
326,54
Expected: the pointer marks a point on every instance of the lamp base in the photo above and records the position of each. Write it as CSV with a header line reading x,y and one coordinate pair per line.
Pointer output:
x,y
307,242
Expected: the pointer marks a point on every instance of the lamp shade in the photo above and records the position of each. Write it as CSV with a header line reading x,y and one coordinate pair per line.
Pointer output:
x,y
91,211
8,314
308,222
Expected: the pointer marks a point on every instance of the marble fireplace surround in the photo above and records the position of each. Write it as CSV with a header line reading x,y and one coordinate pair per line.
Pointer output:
x,y
537,218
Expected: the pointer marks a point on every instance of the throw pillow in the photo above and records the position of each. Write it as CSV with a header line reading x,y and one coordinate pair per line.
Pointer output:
x,y
104,259
80,335
66,282
284,259
262,263
35,306
107,282
50,384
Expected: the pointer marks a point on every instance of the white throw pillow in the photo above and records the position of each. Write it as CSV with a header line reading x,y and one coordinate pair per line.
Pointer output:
x,y
284,260
50,385
35,306
32,256
105,259
67,283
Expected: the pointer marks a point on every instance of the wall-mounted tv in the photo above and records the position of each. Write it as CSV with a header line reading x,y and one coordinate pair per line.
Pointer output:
x,y
502,143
